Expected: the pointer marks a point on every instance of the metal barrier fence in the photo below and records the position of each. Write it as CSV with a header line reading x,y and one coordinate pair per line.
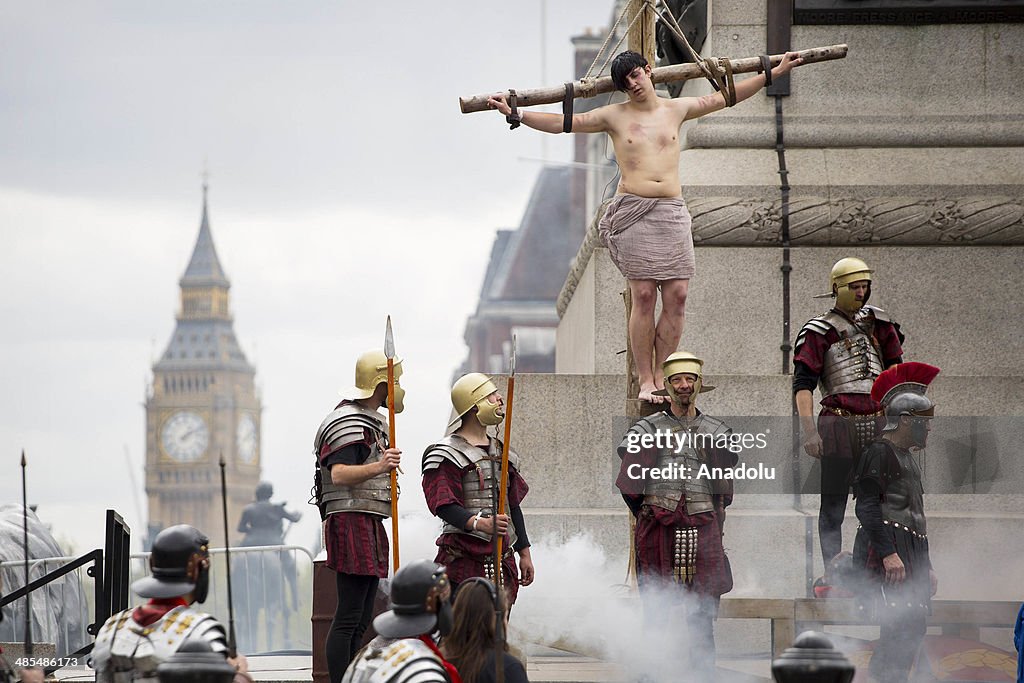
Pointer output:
x,y
271,588
272,593
61,611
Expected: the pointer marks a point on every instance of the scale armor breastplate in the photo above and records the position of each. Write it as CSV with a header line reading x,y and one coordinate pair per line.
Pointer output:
x,y
346,426
401,661
851,364
903,503
481,474
125,651
666,493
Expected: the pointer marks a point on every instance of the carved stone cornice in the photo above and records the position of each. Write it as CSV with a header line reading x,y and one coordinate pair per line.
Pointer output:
x,y
818,221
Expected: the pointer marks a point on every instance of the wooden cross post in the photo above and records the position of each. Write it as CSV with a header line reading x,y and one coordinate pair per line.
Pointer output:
x,y
641,39
641,35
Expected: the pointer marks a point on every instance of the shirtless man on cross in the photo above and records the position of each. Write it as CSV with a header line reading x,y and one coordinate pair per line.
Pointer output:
x,y
646,226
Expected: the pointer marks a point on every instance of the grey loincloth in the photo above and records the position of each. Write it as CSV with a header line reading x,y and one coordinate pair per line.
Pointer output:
x,y
649,238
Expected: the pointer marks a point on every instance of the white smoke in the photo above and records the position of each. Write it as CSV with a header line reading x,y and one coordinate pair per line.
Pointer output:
x,y
580,603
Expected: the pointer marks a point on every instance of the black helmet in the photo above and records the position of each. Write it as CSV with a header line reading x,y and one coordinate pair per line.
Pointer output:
x,y
264,490
179,564
419,598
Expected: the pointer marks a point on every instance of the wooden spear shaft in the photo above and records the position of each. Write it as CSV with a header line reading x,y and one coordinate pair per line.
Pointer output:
x,y
389,353
662,74
503,480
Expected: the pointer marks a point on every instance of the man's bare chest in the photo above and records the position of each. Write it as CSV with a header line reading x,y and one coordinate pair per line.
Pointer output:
x,y
645,135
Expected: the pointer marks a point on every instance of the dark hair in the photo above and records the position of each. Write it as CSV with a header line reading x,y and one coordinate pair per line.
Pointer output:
x,y
623,65
472,637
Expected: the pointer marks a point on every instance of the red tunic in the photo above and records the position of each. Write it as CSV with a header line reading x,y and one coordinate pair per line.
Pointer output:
x,y
356,544
462,554
656,530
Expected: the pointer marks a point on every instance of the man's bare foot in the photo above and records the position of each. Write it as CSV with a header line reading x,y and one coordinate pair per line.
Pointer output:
x,y
647,394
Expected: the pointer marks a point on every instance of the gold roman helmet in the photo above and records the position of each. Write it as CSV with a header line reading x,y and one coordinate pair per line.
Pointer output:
x,y
844,273
472,390
371,370
684,362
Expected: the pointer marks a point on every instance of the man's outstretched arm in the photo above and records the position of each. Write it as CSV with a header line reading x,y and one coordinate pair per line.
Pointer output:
x,y
701,106
588,122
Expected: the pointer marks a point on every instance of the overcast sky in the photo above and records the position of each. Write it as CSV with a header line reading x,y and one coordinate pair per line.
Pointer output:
x,y
344,186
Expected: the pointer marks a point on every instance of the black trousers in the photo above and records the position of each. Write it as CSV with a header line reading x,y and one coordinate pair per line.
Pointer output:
x,y
835,493
899,640
356,594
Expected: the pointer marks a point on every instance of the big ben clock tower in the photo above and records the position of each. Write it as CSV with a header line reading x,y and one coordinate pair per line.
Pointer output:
x,y
202,404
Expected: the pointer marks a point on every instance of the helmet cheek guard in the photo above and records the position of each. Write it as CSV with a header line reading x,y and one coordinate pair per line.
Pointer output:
x,y
202,581
471,391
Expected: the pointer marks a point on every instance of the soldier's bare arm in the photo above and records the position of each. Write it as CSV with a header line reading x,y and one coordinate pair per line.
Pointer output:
x,y
809,431
349,475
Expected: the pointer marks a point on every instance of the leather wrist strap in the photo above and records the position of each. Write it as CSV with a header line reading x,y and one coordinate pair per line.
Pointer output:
x,y
766,68
567,103
515,118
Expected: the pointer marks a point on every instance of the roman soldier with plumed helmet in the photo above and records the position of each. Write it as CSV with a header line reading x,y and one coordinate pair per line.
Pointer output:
x,y
461,475
842,352
353,492
892,541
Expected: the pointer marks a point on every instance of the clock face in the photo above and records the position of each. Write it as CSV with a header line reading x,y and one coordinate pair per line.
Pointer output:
x,y
245,438
185,436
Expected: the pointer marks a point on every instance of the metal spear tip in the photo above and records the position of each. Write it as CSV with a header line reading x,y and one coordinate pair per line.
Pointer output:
x,y
222,463
23,463
389,341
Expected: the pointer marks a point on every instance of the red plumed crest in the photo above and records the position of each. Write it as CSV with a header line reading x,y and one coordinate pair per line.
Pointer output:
x,y
911,373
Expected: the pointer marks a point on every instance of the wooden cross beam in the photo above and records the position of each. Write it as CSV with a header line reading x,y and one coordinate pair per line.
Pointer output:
x,y
661,74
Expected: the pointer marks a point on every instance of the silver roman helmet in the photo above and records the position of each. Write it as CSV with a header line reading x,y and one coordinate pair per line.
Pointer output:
x,y
901,391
